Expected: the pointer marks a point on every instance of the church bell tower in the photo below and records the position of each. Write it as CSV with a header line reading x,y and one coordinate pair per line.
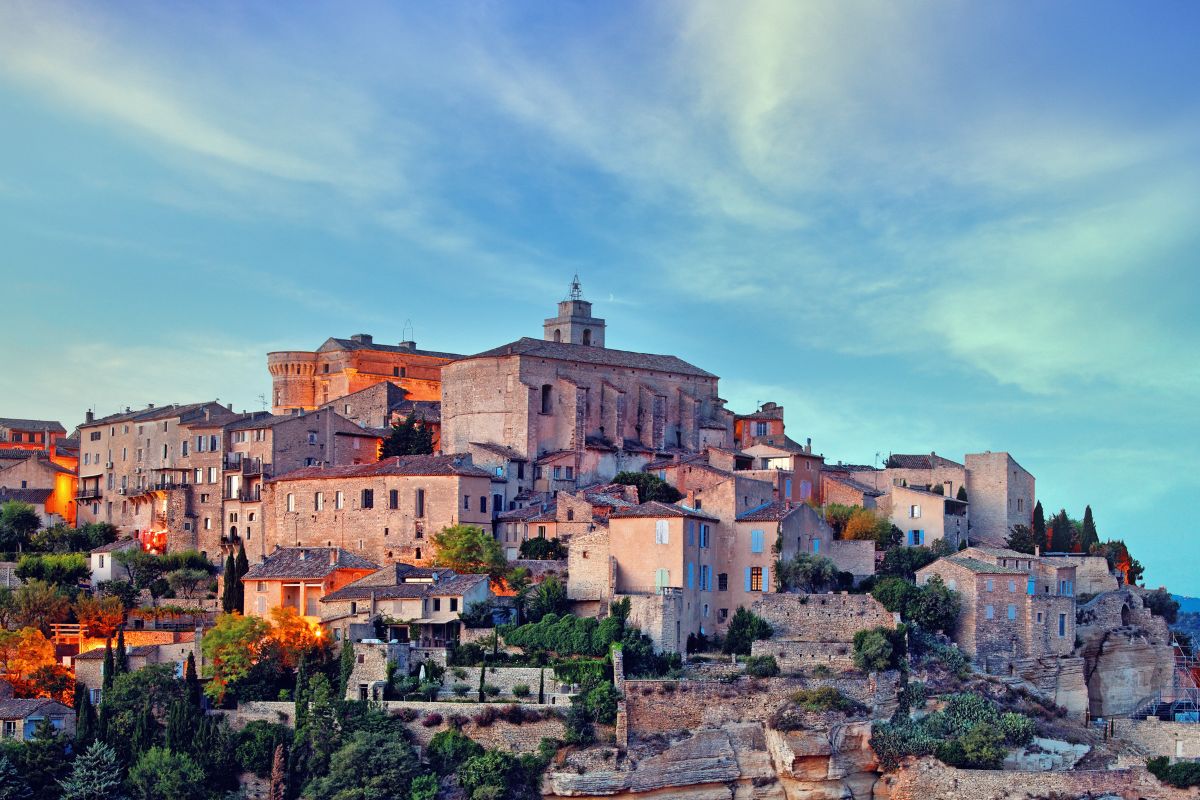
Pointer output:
x,y
575,323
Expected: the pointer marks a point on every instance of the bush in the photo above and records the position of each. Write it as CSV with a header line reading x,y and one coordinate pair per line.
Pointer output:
x,y
965,711
542,549
1018,729
892,741
1160,604
432,719
578,724
601,703
762,666
893,593
878,649
460,689
449,748
744,629
491,689
255,750
521,690
826,698
1181,774
486,716
983,747
915,694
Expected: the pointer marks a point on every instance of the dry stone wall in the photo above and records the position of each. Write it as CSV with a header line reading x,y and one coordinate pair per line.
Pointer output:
x,y
821,617
1161,738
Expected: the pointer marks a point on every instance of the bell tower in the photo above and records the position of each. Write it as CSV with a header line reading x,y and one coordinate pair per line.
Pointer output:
x,y
575,323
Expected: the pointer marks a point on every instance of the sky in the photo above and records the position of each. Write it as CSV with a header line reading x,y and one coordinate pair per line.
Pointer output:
x,y
920,226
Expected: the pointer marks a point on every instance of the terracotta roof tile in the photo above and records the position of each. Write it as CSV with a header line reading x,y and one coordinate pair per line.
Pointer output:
x,y
563,351
307,562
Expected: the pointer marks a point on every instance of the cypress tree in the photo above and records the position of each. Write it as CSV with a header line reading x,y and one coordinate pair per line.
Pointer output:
x,y
109,666
1062,532
85,721
95,775
346,667
962,493
241,566
1039,526
181,726
482,674
301,694
1088,537
542,686
144,733
102,723
228,585
191,680
120,657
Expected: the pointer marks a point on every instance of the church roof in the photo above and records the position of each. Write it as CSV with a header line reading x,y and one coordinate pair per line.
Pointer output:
x,y
564,351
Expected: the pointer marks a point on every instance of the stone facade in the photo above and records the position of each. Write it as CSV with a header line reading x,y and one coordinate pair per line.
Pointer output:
x,y
1002,494
926,517
48,486
590,565
387,511
303,380
822,617
1160,738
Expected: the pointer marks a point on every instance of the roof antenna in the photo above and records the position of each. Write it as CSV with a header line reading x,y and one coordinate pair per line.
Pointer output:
x,y
406,333
576,292
262,398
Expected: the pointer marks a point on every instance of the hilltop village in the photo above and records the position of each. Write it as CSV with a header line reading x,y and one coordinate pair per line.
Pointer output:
x,y
554,568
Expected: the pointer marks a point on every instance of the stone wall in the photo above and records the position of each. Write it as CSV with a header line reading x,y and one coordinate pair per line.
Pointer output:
x,y
801,656
821,617
590,567
1171,739
1092,575
658,616
927,779
856,556
505,678
1127,652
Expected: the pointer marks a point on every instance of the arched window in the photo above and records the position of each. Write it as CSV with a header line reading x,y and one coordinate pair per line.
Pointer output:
x,y
587,336
557,335
233,531
545,398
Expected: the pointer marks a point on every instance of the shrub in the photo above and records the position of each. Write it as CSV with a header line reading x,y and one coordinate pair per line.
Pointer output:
x,y
966,711
407,714
826,698
601,703
893,593
915,694
892,741
486,716
521,690
432,719
983,747
1160,603
744,629
449,748
460,689
491,689
578,724
1181,774
874,650
1018,729
459,673
762,666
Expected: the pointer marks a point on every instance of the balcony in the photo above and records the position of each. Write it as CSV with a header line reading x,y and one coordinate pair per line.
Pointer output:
x,y
253,496
87,494
231,462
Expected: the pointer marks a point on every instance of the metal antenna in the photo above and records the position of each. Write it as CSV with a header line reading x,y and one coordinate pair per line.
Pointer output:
x,y
407,331
262,398
576,290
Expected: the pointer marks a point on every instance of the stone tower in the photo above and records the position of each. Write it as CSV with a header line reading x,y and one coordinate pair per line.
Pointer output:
x,y
575,323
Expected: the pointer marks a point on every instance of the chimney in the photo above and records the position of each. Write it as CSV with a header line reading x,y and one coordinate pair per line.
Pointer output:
x,y
808,445
151,405
127,409
1037,551
333,556
363,338
89,416
409,344
303,555
230,406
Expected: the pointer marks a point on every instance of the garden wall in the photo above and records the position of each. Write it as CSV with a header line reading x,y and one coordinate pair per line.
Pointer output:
x,y
1172,739
821,617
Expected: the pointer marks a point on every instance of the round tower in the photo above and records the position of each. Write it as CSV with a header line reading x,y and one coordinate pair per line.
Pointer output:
x,y
293,380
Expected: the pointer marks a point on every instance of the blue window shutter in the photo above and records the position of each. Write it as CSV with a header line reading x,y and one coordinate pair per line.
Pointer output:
x,y
747,579
766,587
1031,589
816,545
691,575
756,541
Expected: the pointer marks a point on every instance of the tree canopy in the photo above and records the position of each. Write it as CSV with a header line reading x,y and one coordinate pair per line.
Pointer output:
x,y
650,487
410,436
467,548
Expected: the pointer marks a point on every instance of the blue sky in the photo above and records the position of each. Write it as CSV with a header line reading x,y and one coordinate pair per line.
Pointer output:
x,y
919,226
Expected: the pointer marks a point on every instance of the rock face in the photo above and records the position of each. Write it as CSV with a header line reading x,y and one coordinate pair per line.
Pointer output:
x,y
1046,755
1126,650
824,764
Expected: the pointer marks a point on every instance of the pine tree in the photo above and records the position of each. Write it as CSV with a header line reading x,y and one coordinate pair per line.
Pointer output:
x,y
962,493
1088,536
102,723
191,680
278,776
241,566
120,657
1039,526
182,722
95,775
110,665
1062,532
228,582
12,785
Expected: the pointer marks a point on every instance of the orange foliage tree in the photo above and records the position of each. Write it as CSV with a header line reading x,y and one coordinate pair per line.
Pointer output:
x,y
100,617
294,634
23,652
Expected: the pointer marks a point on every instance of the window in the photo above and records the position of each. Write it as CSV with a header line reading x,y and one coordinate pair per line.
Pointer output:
x,y
318,501
368,499
691,575
101,564
817,546
754,579
520,470
10,729
570,471
756,541
291,502
705,578
1012,611
483,506
722,614
466,502
312,437
662,577
212,443
914,512
418,554
917,537
760,429
1039,617
437,604
339,500
1020,504
541,530
546,398
353,607
691,532
1062,625
661,532
1031,588
557,473
722,582
989,612
420,503
704,535
393,499
199,476
208,522
454,604
989,584
1012,586
212,474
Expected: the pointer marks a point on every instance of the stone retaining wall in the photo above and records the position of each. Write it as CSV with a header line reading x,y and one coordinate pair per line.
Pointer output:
x,y
821,617
505,678
800,656
1161,738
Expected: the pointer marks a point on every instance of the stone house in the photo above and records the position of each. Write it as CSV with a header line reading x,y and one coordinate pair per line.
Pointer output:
x,y
89,665
385,511
304,380
104,568
19,717
569,514
802,529
577,409
1013,605
377,408
298,577
30,434
838,487
925,517
39,480
418,604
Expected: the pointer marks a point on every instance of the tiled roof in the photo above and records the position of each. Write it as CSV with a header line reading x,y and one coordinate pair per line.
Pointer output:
x,y
431,465
389,584
858,486
984,567
500,450
540,569
654,508
259,419
563,351
35,497
517,514
20,708
608,500
848,468
141,650
186,412
999,552
768,512
112,547
307,562
919,461
12,454
53,426
427,410
350,344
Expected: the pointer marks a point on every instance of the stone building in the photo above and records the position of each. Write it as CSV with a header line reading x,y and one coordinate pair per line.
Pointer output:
x,y
580,411
568,515
1013,605
838,487
303,380
380,406
801,529
89,665
385,511
37,479
420,605
298,577
815,630
19,717
925,517
30,434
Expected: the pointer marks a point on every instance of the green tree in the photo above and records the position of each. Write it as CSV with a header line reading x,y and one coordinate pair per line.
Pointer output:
x,y
191,681
161,774
85,718
894,593
1022,539
231,648
805,572
903,562
983,747
467,548
744,629
109,666
550,597
120,655
241,566
123,708
410,436
962,493
95,775
1062,533
539,548
1039,526
1087,536
449,748
257,743
877,649
650,487
345,667
13,785
39,605
185,582
933,606
18,521
375,764
43,761
229,583
424,787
